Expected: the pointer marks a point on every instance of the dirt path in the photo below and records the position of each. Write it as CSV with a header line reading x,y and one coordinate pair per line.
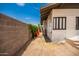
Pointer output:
x,y
39,47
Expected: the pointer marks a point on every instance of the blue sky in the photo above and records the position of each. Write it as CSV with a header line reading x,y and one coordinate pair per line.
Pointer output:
x,y
27,13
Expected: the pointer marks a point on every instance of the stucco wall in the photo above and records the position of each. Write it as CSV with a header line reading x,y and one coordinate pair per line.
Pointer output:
x,y
70,14
44,26
49,26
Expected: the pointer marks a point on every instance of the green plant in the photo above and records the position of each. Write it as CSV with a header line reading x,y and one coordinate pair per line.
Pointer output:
x,y
33,29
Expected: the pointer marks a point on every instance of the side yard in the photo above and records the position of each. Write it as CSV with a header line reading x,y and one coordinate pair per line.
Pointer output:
x,y
39,47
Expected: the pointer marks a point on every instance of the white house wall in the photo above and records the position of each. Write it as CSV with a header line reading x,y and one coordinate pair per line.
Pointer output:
x,y
49,26
70,14
44,26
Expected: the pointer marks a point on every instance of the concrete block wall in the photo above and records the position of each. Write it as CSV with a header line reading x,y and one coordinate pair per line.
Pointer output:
x,y
13,35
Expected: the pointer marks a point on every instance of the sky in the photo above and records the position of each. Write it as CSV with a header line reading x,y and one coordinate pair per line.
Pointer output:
x,y
25,12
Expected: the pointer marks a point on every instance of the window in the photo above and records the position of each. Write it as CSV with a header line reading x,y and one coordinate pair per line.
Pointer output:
x,y
59,23
77,23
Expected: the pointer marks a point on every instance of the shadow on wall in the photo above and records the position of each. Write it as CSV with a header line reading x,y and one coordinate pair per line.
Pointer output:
x,y
20,52
47,39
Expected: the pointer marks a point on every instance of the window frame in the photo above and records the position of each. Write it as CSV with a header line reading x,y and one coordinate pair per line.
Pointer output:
x,y
55,23
77,23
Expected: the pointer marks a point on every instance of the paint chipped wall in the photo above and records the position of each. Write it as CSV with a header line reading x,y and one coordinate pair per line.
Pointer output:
x,y
70,14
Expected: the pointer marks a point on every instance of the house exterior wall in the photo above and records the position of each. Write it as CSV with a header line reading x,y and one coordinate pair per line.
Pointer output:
x,y
44,27
49,26
13,35
70,14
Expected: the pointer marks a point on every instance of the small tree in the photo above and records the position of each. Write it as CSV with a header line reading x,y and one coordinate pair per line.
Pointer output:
x,y
33,29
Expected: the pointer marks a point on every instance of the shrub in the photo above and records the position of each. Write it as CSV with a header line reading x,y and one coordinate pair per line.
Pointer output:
x,y
33,29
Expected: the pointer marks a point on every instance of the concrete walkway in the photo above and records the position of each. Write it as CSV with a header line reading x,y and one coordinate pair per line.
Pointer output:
x,y
39,47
